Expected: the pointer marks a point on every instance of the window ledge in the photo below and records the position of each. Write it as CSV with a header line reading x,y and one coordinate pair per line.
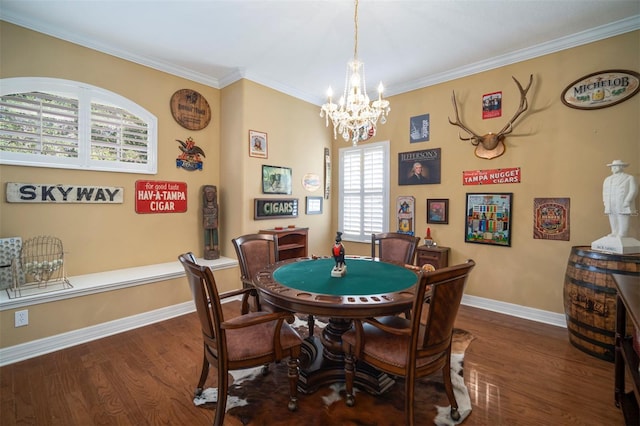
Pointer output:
x,y
99,282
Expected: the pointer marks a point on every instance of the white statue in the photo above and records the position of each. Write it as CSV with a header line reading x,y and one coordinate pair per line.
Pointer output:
x,y
618,195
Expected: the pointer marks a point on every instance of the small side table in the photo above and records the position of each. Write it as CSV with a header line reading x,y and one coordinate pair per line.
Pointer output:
x,y
626,358
435,255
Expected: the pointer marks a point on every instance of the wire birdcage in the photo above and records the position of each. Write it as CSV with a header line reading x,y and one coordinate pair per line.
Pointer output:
x,y
42,263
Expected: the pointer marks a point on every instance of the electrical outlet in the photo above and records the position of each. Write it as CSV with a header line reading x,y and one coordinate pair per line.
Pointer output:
x,y
22,318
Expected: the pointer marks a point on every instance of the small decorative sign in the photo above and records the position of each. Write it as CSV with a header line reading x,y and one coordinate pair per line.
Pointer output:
x,y
311,182
190,157
271,208
258,144
406,214
492,176
190,109
56,193
601,89
492,105
551,218
154,196
420,128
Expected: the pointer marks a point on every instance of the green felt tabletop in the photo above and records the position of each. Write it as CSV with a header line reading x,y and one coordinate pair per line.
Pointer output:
x,y
364,277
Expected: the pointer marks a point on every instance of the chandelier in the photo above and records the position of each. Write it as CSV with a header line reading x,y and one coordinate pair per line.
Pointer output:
x,y
353,117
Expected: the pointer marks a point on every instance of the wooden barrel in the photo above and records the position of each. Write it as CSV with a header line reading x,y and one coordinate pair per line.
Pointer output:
x,y
590,298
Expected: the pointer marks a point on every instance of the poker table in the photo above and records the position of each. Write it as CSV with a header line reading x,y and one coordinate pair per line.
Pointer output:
x,y
369,288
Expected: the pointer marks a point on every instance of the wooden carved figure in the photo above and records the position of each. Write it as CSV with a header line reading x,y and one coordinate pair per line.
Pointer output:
x,y
210,222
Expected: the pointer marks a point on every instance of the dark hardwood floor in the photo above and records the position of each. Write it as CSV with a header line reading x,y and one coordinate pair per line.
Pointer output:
x,y
518,373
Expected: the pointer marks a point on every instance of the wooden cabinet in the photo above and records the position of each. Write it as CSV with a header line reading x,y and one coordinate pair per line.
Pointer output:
x,y
292,242
437,256
627,359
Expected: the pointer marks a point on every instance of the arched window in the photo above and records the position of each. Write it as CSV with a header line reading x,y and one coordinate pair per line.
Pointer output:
x,y
48,122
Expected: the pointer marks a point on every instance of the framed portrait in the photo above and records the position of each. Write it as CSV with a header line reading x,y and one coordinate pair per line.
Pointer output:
x,y
276,180
258,144
419,129
488,218
419,167
437,210
314,205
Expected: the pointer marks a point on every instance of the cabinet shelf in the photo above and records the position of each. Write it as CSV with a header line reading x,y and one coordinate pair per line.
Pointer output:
x,y
292,242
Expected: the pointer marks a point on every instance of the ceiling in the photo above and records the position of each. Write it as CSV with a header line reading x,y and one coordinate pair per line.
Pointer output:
x,y
300,47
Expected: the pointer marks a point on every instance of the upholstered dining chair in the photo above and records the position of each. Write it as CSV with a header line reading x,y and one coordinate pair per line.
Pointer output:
x,y
394,247
250,340
255,252
406,347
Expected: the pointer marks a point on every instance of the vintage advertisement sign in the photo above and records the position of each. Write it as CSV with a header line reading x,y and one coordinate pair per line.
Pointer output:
x,y
190,109
154,196
551,218
492,105
601,89
271,208
58,193
419,167
406,219
493,176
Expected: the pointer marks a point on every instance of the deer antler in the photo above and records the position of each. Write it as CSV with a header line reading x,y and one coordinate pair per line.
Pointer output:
x,y
524,104
491,144
475,138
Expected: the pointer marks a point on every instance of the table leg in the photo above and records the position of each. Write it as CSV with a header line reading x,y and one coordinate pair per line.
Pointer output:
x,y
322,363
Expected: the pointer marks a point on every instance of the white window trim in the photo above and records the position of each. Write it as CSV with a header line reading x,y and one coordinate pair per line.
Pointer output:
x,y
86,94
364,238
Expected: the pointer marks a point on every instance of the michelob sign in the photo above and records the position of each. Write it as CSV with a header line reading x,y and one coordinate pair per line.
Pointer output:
x,y
601,89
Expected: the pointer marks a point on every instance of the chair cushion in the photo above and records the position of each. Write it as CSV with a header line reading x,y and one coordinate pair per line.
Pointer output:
x,y
257,340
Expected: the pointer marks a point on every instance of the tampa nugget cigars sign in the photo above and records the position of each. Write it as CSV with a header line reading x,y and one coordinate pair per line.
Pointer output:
x,y
58,193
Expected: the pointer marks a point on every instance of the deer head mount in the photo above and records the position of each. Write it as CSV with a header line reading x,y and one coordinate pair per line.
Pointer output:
x,y
491,145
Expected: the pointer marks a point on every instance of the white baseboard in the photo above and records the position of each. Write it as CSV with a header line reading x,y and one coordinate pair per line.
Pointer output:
x,y
532,314
47,345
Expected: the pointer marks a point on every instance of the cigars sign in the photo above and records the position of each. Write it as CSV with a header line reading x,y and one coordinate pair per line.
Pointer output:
x,y
153,196
488,177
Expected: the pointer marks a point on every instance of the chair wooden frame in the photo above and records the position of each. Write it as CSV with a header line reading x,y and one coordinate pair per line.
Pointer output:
x,y
395,247
412,348
255,252
249,340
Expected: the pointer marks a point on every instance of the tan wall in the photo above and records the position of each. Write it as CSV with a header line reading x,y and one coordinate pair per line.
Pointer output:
x,y
562,152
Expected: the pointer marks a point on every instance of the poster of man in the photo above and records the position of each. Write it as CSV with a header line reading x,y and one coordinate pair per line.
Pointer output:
x,y
419,167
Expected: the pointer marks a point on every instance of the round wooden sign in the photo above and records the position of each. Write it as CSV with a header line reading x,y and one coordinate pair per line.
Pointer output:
x,y
190,109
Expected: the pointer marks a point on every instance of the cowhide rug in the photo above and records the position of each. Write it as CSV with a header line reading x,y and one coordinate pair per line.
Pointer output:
x,y
255,399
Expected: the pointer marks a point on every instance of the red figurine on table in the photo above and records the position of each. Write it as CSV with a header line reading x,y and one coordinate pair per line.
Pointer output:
x,y
338,254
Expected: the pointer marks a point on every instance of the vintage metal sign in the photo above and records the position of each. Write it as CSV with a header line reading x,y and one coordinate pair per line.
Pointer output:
x,y
154,196
58,193
601,89
493,176
269,208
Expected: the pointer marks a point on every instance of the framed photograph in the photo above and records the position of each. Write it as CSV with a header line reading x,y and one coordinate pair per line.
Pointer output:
x,y
257,144
314,205
437,210
419,167
488,218
276,180
419,128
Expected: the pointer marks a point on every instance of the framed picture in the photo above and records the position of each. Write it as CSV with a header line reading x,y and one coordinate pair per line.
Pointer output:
x,y
419,128
276,180
437,210
419,167
314,205
257,144
488,218
551,218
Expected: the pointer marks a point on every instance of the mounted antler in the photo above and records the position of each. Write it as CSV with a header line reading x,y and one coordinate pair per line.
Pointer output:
x,y
491,145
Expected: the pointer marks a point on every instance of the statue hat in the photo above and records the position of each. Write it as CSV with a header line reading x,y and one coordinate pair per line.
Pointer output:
x,y
618,163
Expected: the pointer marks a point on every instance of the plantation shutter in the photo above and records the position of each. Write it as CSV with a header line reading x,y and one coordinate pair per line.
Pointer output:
x,y
364,188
